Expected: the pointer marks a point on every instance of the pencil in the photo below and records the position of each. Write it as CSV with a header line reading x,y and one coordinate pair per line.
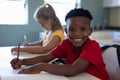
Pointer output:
x,y
18,51
25,38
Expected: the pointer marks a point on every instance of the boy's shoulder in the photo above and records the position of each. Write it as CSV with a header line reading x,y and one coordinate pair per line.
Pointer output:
x,y
65,42
92,41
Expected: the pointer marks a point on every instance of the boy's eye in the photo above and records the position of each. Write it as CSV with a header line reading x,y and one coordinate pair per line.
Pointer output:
x,y
83,29
71,29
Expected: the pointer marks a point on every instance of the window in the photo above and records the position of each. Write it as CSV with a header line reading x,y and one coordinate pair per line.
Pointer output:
x,y
13,12
61,7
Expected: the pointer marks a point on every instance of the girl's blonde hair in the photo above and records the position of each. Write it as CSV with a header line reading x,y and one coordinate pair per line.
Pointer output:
x,y
46,12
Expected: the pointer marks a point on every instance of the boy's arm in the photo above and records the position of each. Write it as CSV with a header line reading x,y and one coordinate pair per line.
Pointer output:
x,y
42,58
66,70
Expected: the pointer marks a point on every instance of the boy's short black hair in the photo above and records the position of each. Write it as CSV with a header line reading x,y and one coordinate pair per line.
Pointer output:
x,y
78,12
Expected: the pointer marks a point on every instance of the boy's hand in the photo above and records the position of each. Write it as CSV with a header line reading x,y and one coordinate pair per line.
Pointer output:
x,y
30,70
16,63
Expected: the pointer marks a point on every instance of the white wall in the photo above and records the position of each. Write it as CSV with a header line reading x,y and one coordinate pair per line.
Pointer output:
x,y
115,17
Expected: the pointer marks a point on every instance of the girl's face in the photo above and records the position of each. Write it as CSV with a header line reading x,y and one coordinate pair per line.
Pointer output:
x,y
78,30
46,24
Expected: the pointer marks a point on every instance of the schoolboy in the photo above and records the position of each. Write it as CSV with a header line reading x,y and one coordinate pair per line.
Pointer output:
x,y
78,51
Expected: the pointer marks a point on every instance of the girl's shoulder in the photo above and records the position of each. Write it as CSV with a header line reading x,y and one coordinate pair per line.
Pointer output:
x,y
58,31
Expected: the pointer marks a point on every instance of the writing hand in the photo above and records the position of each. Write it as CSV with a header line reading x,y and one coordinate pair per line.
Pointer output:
x,y
16,63
14,49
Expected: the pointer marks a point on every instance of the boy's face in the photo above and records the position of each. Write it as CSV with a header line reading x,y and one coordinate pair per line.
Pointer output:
x,y
78,30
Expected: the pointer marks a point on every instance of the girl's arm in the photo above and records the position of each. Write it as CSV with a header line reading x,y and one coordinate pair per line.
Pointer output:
x,y
37,43
53,42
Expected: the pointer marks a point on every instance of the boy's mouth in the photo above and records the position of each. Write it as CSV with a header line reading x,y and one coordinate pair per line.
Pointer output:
x,y
77,40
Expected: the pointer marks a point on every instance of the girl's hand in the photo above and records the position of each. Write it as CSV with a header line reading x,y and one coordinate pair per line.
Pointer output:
x,y
26,44
16,63
14,49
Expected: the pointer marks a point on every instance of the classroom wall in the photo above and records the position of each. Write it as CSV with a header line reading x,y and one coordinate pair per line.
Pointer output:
x,y
10,35
100,14
114,17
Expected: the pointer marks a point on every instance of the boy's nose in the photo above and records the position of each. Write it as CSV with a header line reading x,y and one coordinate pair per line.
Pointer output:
x,y
77,32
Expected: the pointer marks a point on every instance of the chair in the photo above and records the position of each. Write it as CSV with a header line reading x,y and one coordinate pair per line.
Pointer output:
x,y
111,60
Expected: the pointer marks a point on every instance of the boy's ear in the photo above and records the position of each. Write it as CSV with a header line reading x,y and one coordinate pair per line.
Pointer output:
x,y
90,31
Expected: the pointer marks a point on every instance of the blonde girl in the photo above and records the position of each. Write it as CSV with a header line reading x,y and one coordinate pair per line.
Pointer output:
x,y
54,34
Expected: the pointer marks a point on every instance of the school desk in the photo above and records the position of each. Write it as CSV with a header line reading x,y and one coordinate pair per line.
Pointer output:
x,y
7,73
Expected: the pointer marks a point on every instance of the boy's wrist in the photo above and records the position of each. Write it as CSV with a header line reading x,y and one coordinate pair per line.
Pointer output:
x,y
22,62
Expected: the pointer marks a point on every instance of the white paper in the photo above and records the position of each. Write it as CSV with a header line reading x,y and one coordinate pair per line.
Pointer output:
x,y
41,76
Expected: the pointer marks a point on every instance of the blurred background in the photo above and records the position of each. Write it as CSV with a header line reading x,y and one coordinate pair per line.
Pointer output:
x,y
16,17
